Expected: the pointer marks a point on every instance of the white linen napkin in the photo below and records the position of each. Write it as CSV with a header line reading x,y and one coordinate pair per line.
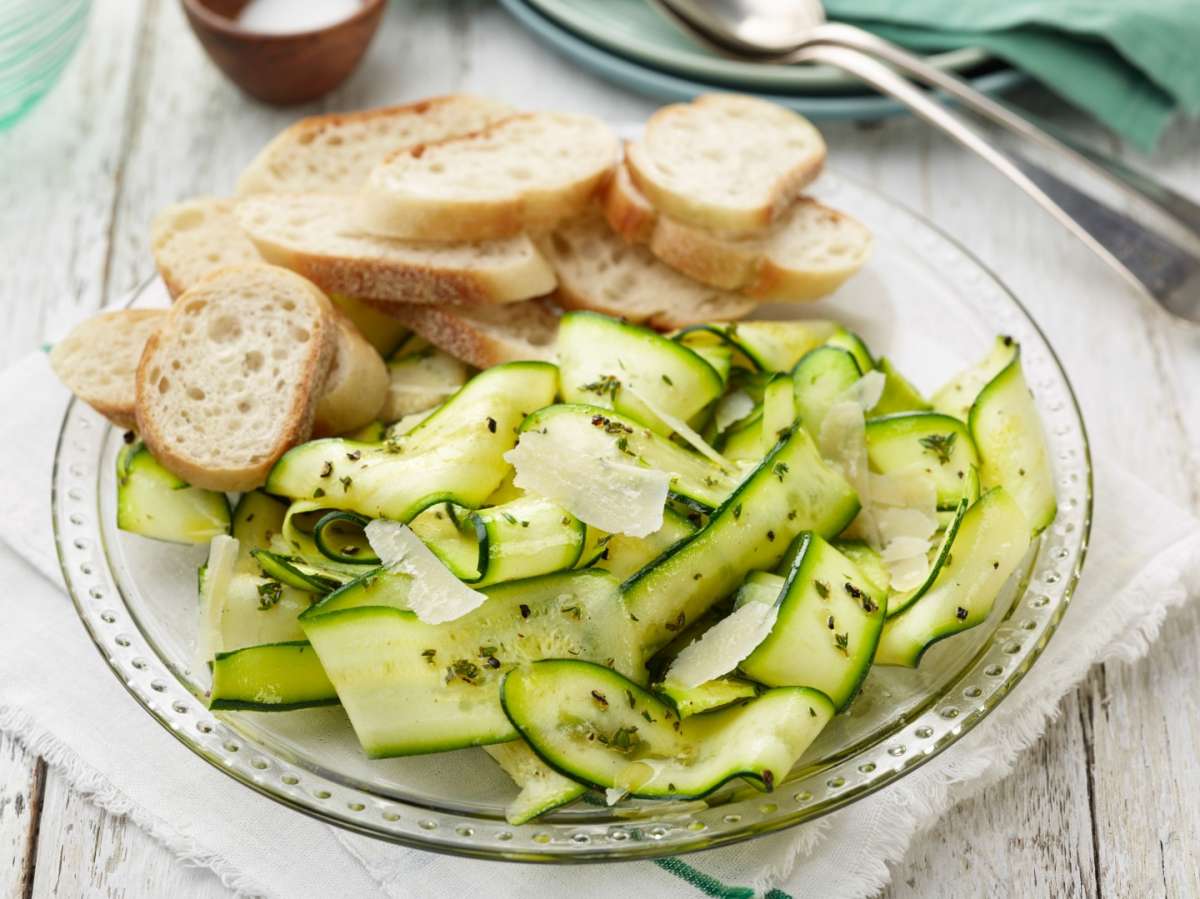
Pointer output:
x,y
58,697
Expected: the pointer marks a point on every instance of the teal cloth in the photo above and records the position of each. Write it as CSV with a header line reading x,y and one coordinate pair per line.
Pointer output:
x,y
1132,64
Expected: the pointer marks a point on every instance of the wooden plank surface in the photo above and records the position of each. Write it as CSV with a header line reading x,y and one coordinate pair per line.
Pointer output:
x,y
1104,805
22,785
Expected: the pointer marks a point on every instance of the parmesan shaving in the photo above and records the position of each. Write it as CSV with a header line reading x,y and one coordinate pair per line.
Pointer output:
x,y
681,427
613,795
899,511
733,408
907,572
724,645
436,595
866,391
218,573
843,441
588,482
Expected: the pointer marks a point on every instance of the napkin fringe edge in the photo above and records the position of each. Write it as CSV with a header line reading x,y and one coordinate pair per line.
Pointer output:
x,y
82,778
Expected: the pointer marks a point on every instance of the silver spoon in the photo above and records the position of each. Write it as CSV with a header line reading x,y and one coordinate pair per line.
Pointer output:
x,y
796,31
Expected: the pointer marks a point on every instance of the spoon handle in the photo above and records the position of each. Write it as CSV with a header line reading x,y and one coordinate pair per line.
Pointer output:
x,y
1131,185
1132,250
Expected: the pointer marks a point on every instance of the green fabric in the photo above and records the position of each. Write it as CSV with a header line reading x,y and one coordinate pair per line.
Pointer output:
x,y
1130,63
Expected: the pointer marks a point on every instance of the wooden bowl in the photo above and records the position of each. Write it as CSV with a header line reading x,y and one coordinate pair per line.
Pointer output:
x,y
282,68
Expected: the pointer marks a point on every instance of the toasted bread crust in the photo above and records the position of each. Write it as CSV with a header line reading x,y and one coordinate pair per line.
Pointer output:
x,y
258,178
467,219
464,339
403,283
186,236
626,208
308,383
115,401
691,210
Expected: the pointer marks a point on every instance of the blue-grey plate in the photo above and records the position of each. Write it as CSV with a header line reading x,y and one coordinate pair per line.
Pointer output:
x,y
663,86
635,30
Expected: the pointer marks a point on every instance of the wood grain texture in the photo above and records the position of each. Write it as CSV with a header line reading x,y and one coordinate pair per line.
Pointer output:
x,y
84,851
1105,805
22,785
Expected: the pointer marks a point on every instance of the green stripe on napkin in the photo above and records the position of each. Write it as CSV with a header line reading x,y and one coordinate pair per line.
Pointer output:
x,y
1130,64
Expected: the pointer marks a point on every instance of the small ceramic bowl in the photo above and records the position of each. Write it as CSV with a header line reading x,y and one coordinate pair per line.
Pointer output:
x,y
283,68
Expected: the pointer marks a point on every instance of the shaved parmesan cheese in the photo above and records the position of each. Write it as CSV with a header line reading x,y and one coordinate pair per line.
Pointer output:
x,y
601,491
732,408
843,441
724,645
681,427
613,795
907,572
218,572
436,595
913,524
866,391
909,488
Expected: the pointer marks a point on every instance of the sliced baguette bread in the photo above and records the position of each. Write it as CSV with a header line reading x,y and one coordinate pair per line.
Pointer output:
x,y
726,162
597,270
357,385
196,237
312,234
335,153
98,360
231,380
484,336
524,173
805,255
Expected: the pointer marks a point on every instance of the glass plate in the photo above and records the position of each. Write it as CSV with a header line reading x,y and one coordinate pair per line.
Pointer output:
x,y
923,300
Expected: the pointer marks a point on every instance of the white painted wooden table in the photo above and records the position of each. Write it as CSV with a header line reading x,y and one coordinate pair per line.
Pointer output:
x,y
1105,805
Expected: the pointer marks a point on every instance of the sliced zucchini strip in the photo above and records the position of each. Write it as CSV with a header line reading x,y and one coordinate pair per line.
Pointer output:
x,y
830,616
713,694
257,522
595,726
378,587
276,677
339,537
898,602
456,454
525,538
589,432
845,339
767,346
791,491
932,442
991,542
820,379
410,687
623,556
611,363
899,395
869,562
542,788
295,573
153,502
239,607
1012,445
957,395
